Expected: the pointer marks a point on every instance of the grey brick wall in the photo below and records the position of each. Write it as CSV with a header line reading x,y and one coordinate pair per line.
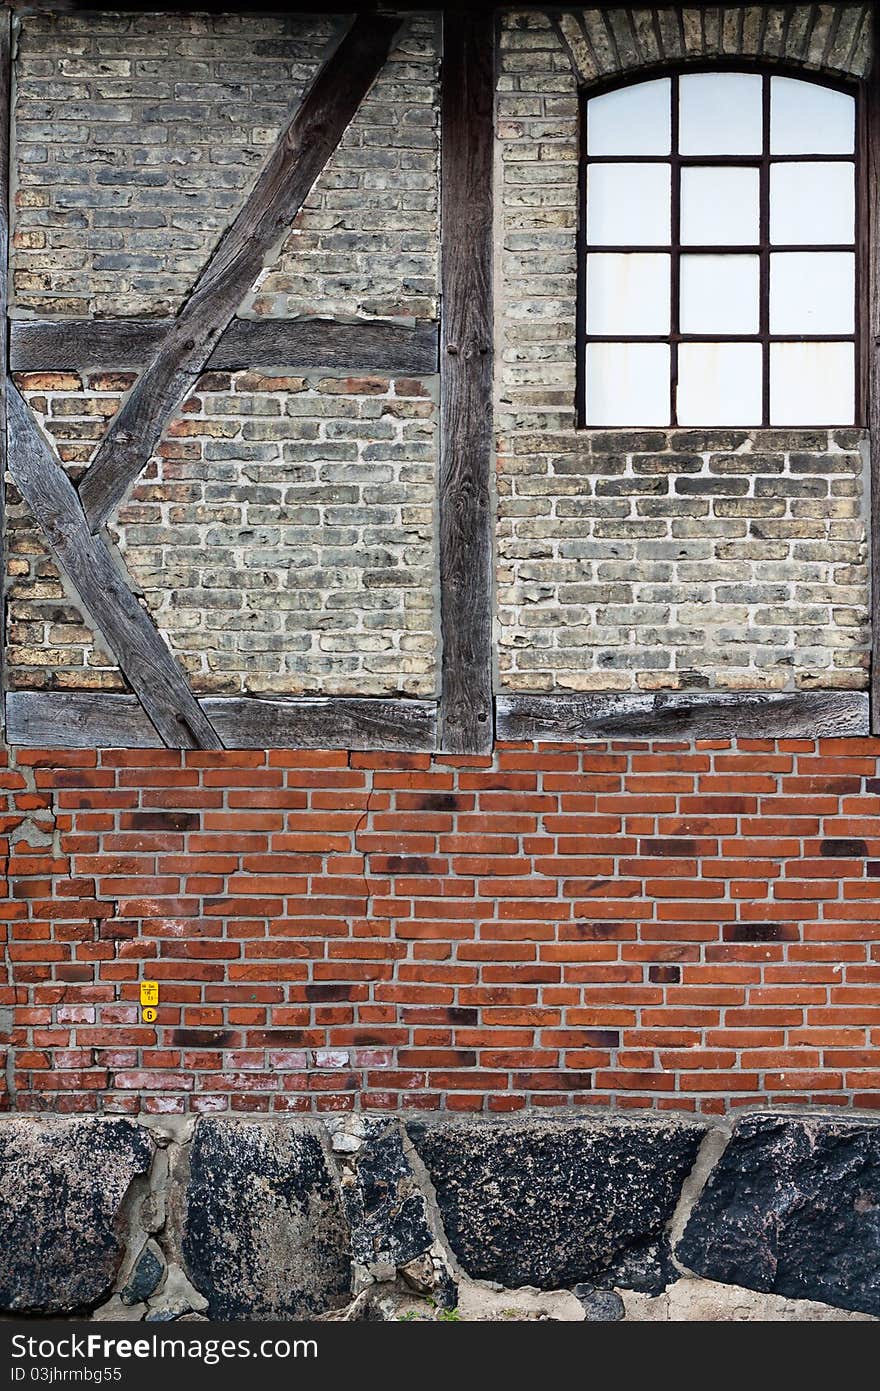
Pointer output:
x,y
138,136
655,560
367,242
136,139
283,537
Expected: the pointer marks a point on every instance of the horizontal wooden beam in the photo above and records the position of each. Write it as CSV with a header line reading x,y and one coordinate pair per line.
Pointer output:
x,y
78,720
296,160
76,345
94,720
727,715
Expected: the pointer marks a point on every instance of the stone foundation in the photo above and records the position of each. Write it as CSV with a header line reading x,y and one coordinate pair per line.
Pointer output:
x,y
365,1217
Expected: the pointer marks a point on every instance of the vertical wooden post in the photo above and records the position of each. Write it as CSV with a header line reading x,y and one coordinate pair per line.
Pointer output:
x,y
5,119
466,339
869,147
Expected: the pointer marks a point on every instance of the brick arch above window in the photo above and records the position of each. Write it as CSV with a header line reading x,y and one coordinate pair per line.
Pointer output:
x,y
833,39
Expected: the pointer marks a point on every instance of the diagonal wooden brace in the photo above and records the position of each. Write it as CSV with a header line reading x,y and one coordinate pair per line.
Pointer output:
x,y
301,153
99,581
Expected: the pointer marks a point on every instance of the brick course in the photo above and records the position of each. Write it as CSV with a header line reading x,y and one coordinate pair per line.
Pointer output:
x,y
683,560
689,927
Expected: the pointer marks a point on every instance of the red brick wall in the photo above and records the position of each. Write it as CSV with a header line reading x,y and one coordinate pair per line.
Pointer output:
x,y
675,926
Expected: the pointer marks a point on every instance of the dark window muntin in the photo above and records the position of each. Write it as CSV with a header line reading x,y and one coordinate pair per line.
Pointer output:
x,y
859,158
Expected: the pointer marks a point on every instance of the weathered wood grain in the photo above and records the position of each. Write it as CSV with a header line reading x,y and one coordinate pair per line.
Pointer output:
x,y
745,715
466,341
297,159
53,345
102,586
82,345
77,719
313,722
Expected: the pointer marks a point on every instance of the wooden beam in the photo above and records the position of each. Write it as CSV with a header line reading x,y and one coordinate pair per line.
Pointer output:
x,y
466,339
317,722
57,345
740,715
284,183
5,114
85,719
100,584
78,720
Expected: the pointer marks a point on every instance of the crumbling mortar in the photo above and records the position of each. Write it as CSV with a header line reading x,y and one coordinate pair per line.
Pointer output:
x,y
423,1183
712,1147
151,1211
27,829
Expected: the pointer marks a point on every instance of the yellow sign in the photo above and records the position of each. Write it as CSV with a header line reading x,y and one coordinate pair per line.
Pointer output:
x,y
149,992
149,1015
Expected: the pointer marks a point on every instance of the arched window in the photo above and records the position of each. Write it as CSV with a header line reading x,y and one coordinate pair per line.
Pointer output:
x,y
719,280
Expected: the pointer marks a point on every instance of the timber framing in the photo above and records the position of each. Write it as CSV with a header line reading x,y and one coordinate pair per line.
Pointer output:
x,y
283,184
871,174
161,709
102,586
83,719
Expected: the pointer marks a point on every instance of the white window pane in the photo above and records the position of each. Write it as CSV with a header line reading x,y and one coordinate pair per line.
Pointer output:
x,y
719,294
812,203
812,292
627,384
806,119
628,204
719,384
631,121
720,207
812,384
628,293
720,113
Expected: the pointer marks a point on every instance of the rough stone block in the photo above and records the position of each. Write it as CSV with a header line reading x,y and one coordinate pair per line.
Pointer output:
x,y
554,1204
386,1211
793,1208
264,1236
62,1188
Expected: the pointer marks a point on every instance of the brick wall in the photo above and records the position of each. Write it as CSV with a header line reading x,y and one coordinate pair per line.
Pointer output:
x,y
284,534
631,562
136,140
684,560
138,136
670,926
660,560
283,537
685,927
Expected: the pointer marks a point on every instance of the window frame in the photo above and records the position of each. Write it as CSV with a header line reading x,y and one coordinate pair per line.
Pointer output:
x,y
860,158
